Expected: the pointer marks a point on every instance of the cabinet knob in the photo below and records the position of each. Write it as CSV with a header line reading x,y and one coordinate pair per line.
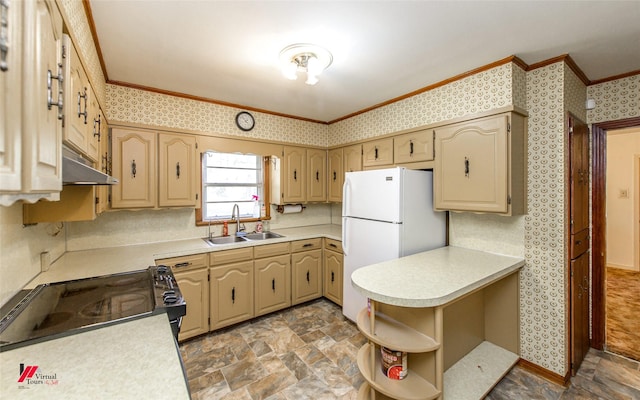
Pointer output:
x,y
410,147
233,295
308,280
466,167
273,285
80,113
4,39
178,170
133,168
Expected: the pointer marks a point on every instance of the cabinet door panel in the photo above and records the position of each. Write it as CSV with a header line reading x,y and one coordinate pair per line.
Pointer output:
x,y
42,130
10,106
335,176
94,134
316,170
194,286
273,284
177,170
471,166
352,156
307,281
134,164
76,116
294,174
413,147
333,270
377,153
231,294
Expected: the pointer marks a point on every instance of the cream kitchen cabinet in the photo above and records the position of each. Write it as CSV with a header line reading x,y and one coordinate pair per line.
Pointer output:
x,y
104,165
333,270
32,103
377,154
414,149
335,177
481,165
134,165
288,176
306,270
316,175
192,276
272,269
352,156
78,128
178,167
231,291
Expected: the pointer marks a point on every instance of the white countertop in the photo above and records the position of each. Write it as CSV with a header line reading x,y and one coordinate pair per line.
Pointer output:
x,y
432,278
138,359
111,260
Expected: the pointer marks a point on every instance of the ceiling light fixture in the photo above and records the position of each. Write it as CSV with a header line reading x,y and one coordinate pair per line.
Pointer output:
x,y
307,58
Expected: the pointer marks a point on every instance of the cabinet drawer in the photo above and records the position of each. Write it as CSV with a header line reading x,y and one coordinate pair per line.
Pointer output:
x,y
179,264
333,245
304,245
579,243
269,250
228,256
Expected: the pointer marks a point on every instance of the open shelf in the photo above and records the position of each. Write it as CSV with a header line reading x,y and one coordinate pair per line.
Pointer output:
x,y
364,393
413,387
473,376
394,334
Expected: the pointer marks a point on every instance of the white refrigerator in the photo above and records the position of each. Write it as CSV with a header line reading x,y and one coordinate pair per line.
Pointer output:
x,y
386,214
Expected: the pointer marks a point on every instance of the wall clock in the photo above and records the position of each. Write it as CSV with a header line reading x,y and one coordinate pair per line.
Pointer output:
x,y
245,121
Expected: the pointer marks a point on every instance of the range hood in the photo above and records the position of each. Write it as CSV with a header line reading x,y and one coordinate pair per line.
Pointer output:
x,y
78,171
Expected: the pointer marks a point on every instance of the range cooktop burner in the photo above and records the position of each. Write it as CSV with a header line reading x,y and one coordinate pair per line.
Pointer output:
x,y
62,308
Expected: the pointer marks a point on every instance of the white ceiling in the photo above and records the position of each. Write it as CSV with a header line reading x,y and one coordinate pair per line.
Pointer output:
x,y
228,50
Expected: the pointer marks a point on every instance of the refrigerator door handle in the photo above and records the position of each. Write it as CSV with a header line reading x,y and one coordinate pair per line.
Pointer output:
x,y
346,197
345,245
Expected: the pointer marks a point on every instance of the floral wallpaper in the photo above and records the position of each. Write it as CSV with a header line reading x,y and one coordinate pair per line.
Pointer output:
x,y
126,104
615,100
473,94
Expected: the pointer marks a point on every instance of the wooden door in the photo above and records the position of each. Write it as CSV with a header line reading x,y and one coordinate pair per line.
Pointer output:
x,y
578,240
104,158
42,126
471,167
231,294
273,284
194,286
413,147
333,270
177,170
377,153
294,169
10,104
134,165
316,175
307,280
579,310
94,136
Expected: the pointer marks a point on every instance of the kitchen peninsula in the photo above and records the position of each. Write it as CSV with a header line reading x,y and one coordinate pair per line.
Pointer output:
x,y
454,310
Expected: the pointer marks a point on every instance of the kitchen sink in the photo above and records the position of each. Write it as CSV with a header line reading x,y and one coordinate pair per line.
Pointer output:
x,y
244,238
224,240
262,236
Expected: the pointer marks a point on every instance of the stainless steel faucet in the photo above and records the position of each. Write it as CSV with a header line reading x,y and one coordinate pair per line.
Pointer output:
x,y
235,213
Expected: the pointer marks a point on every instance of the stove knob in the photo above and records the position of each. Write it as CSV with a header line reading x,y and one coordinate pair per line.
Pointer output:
x,y
162,269
168,293
170,299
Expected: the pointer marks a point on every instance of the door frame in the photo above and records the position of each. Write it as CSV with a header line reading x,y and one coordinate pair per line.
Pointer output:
x,y
598,223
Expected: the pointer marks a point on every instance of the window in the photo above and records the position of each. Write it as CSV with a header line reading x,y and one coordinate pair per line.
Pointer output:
x,y
229,179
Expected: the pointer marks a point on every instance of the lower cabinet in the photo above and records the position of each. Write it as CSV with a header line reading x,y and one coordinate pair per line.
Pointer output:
x,y
272,269
231,287
333,270
192,276
306,270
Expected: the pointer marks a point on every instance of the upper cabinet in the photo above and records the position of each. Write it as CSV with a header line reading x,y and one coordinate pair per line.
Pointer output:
x,y
413,147
377,154
178,166
134,165
352,156
335,178
317,175
480,165
288,176
154,169
30,147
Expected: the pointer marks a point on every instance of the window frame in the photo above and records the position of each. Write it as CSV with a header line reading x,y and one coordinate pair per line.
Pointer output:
x,y
266,192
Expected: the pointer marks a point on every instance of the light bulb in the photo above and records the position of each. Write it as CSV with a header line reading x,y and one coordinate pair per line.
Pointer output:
x,y
313,66
290,71
311,79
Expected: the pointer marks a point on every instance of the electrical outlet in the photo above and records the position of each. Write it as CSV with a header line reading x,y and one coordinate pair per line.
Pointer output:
x,y
623,194
45,261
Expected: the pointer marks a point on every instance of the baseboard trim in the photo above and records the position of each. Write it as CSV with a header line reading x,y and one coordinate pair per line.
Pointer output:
x,y
545,373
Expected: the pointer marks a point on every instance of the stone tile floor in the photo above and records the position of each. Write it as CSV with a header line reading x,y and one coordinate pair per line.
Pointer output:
x,y
309,352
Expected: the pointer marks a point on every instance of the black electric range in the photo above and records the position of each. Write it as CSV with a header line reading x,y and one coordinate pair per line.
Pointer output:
x,y
58,309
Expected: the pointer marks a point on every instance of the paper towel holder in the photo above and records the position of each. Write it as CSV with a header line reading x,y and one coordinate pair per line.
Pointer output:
x,y
280,208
